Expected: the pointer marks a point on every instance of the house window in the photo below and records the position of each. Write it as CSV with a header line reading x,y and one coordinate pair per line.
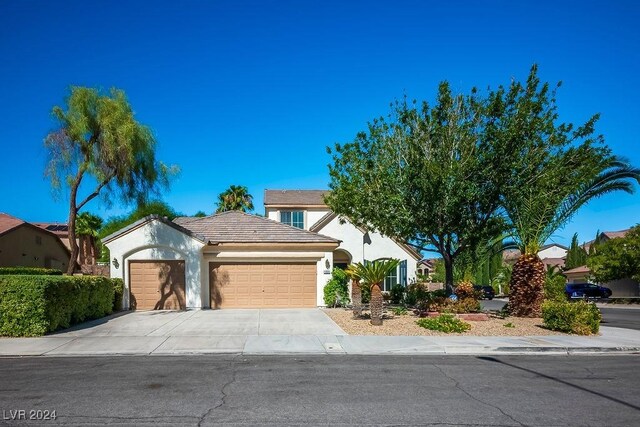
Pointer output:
x,y
390,280
292,218
38,240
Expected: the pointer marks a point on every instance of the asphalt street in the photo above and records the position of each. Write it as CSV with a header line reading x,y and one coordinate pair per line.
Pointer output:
x,y
323,390
617,317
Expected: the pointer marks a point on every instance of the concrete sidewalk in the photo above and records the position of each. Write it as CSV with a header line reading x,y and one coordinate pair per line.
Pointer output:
x,y
611,340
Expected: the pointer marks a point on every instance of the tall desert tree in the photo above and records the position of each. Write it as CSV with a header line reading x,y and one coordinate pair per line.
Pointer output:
x,y
420,176
235,198
99,143
555,169
576,255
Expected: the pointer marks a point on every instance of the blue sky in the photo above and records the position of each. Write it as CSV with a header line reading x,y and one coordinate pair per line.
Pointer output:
x,y
251,92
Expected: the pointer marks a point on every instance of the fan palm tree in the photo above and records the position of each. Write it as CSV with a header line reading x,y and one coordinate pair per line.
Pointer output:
x,y
562,185
87,227
373,274
356,291
235,198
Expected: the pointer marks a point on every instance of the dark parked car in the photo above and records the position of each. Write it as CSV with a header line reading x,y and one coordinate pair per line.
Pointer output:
x,y
586,290
487,291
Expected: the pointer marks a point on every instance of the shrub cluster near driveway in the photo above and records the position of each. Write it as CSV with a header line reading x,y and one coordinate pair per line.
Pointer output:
x,y
581,317
35,305
31,271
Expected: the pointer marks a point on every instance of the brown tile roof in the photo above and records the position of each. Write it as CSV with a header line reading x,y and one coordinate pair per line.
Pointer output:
x,y
8,222
581,269
57,228
294,197
240,227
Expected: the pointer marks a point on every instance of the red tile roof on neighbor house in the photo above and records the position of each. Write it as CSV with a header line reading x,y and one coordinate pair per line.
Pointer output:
x,y
294,197
240,227
8,222
606,235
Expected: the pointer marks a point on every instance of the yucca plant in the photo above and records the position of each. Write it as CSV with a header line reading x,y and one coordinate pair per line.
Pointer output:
x,y
373,275
356,291
552,170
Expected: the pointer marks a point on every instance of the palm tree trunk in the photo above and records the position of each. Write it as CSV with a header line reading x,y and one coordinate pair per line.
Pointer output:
x,y
526,289
375,304
356,298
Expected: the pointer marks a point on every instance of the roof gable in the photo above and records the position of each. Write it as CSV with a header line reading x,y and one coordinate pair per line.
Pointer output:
x,y
240,227
139,223
8,223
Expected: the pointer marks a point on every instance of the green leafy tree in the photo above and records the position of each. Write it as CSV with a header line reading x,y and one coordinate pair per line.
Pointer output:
x,y
617,258
420,176
99,143
200,214
554,169
235,198
576,255
373,274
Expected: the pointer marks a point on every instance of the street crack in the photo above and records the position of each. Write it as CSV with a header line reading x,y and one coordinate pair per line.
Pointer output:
x,y
223,399
459,387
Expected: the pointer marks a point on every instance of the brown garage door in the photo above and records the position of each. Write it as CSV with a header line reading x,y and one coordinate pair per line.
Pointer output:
x,y
157,285
262,285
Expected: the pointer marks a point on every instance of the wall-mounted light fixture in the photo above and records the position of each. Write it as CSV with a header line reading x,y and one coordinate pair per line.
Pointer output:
x,y
115,262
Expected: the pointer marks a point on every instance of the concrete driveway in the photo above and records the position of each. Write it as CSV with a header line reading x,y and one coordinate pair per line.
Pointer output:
x,y
206,323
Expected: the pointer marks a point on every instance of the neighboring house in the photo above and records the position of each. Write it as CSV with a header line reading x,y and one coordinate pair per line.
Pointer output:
x,y
306,209
426,266
626,287
26,245
59,229
551,255
228,260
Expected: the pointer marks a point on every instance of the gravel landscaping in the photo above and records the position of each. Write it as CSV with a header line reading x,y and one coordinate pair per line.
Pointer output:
x,y
406,325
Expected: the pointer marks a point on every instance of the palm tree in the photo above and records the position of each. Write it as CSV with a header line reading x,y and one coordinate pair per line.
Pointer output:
x,y
562,185
373,274
235,198
87,226
356,291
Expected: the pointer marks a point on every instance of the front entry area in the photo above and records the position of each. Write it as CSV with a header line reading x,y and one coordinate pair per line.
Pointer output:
x,y
263,285
157,285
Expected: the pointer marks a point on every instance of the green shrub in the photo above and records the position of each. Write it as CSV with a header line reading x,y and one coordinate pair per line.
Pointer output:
x,y
35,305
336,291
580,317
396,294
554,288
31,271
366,293
464,305
415,293
118,291
399,311
444,323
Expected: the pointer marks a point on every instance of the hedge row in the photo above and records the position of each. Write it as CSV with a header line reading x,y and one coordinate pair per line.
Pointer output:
x,y
35,305
31,271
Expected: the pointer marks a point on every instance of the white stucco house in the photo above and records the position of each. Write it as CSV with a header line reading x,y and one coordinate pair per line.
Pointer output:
x,y
238,260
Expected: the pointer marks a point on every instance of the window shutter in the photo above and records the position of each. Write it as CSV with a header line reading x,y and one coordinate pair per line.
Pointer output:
x,y
403,272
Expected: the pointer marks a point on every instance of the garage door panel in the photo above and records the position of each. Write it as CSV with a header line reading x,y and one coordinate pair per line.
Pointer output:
x,y
157,285
256,285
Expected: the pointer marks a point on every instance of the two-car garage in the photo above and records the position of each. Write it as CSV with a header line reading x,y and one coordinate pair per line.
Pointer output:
x,y
228,260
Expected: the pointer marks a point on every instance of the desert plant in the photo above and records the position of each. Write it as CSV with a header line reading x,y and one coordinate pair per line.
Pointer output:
x,y
373,274
580,317
554,286
399,311
356,291
444,323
